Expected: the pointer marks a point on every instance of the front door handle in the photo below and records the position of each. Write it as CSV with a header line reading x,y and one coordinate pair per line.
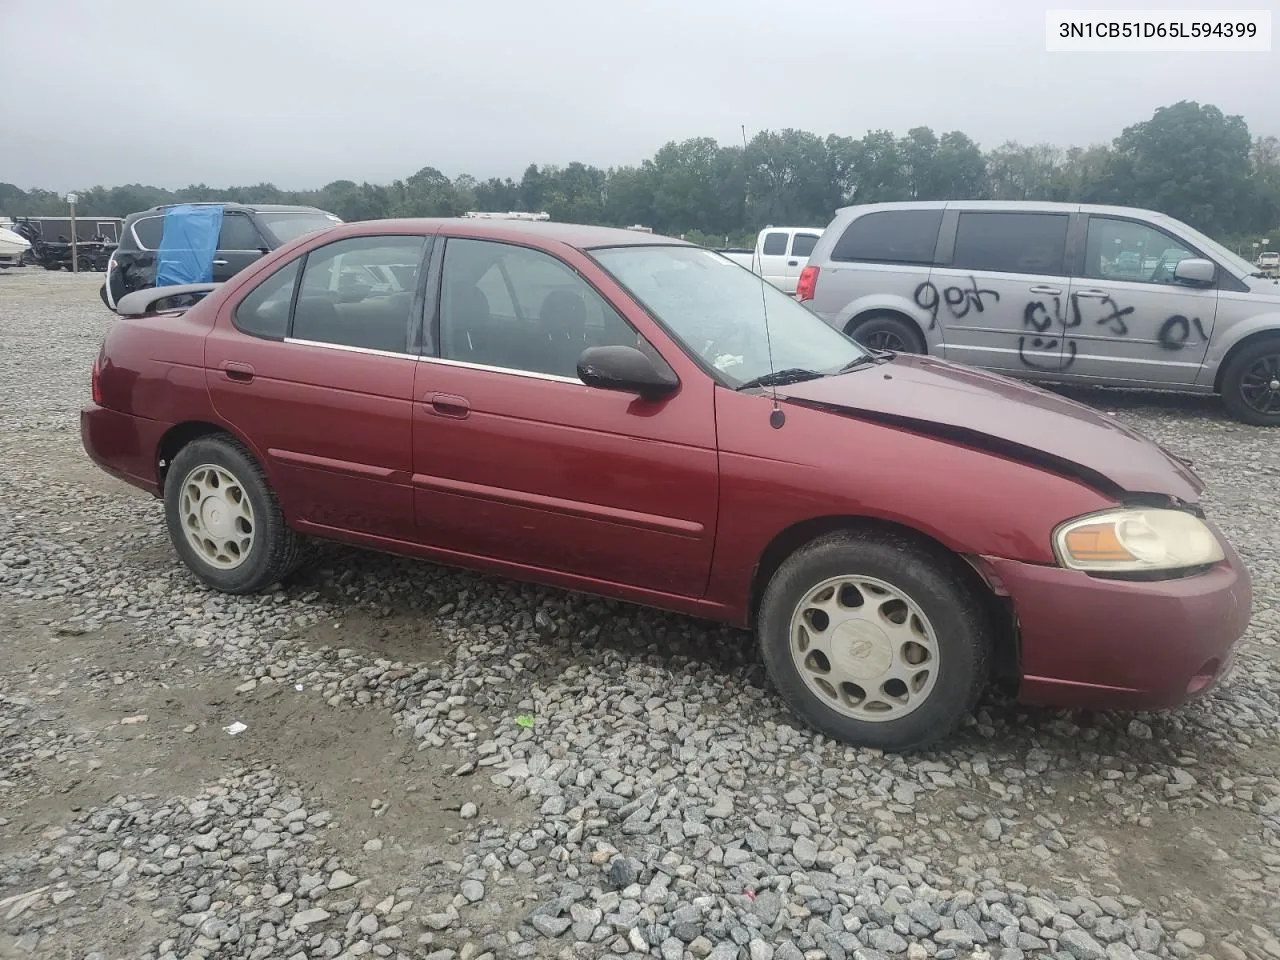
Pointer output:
x,y
1047,291
793,263
1091,294
220,263
239,372
448,405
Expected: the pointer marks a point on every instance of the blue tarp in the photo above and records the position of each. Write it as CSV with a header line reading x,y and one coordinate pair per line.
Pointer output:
x,y
188,244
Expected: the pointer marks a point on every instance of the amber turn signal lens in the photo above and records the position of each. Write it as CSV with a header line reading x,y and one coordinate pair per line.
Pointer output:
x,y
1096,542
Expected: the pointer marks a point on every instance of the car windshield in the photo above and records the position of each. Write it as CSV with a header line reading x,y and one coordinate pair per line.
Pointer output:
x,y
286,226
716,309
1209,245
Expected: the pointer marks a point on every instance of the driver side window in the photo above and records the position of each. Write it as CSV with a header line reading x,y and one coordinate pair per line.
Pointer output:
x,y
1130,251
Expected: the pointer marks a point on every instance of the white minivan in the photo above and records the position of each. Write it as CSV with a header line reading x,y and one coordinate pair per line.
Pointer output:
x,y
780,254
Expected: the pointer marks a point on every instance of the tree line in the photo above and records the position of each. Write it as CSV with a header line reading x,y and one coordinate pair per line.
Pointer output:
x,y
1188,160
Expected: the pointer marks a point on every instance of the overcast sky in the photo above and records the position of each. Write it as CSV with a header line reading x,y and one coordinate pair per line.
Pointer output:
x,y
302,92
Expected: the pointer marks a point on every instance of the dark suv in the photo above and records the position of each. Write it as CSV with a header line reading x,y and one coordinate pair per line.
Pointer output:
x,y
248,232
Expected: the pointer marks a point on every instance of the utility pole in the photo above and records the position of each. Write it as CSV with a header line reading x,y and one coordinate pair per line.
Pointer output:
x,y
75,257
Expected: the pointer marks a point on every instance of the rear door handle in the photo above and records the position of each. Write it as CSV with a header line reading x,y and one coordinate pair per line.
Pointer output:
x,y
220,263
240,372
448,405
793,263
1048,291
1091,294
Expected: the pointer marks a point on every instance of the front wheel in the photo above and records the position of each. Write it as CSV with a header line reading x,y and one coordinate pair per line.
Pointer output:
x,y
223,519
1251,384
875,640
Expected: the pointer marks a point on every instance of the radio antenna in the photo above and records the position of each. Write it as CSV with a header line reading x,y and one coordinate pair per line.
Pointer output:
x,y
776,416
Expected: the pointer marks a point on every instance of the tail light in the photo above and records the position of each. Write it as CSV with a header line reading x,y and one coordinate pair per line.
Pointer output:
x,y
807,285
95,380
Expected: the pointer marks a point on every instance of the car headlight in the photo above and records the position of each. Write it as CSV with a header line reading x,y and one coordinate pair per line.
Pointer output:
x,y
1136,540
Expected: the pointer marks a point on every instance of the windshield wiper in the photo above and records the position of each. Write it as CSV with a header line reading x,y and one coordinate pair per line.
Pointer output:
x,y
780,378
876,358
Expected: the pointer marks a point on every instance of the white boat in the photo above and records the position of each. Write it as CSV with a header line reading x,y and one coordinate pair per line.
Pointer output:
x,y
12,247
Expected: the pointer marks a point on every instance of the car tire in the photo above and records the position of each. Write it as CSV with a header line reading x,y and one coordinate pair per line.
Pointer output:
x,y
1247,380
875,578
246,545
886,331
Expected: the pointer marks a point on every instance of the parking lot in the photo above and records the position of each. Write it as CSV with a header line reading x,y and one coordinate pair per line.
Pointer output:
x,y
439,764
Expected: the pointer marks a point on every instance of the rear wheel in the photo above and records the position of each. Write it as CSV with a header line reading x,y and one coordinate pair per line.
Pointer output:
x,y
886,331
223,519
874,639
1251,383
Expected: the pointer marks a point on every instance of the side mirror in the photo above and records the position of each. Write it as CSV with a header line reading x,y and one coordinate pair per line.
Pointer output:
x,y
625,368
1195,270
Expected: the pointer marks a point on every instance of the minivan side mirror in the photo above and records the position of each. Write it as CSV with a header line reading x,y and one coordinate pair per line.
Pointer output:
x,y
626,369
1195,270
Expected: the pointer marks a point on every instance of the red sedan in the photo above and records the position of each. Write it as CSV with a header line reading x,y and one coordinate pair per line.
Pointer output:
x,y
608,411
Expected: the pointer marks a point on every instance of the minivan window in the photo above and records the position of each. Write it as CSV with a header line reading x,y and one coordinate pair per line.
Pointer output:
x,y
1126,250
238,233
1011,242
775,244
803,243
890,236
148,231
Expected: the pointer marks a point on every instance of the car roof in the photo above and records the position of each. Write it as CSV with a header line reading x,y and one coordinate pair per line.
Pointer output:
x,y
578,235
245,207
1001,206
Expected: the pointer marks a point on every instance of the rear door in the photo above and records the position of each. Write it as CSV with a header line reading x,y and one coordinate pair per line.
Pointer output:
x,y
239,244
1137,323
772,256
1002,297
315,368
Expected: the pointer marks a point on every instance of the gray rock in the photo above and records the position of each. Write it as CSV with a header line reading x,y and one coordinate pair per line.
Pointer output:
x,y
340,880
805,851
305,918
623,872
992,829
1082,946
1190,938
468,811
886,941
551,926
472,890
759,950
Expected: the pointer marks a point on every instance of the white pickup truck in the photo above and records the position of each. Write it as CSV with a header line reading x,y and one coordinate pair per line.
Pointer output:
x,y
780,254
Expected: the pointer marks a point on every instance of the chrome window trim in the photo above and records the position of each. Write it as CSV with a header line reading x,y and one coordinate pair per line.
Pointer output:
x,y
530,374
466,365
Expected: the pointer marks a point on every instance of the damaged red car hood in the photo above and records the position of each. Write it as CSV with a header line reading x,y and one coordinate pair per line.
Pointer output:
x,y
1012,418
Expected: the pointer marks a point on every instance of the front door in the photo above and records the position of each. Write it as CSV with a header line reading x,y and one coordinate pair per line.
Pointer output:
x,y
515,459
1137,323
1002,300
239,244
318,376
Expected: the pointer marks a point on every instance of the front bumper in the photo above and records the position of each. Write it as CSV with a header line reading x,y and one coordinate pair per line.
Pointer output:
x,y
1089,642
123,445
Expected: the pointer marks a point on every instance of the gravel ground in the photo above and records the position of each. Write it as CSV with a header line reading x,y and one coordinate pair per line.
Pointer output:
x,y
439,764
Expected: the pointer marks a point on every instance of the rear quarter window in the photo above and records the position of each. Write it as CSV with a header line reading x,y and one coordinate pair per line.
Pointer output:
x,y
890,236
147,231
